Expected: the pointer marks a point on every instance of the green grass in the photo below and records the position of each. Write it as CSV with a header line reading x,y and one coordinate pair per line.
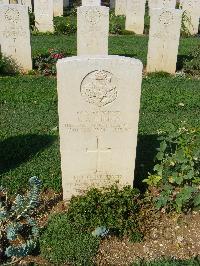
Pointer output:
x,y
125,45
29,138
62,242
29,142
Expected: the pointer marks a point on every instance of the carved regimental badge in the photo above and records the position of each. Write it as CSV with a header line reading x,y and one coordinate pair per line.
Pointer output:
x,y
12,14
93,16
166,18
99,88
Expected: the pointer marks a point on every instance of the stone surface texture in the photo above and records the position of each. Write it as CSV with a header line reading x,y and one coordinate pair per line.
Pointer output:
x,y
58,8
98,105
91,2
92,30
43,10
120,7
164,38
135,16
191,9
15,35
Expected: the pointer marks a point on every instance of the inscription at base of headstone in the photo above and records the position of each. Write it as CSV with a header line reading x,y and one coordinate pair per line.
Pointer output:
x,y
43,10
92,30
164,35
15,35
98,105
135,16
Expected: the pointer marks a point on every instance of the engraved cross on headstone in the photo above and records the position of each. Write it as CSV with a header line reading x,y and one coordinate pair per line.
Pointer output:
x,y
98,151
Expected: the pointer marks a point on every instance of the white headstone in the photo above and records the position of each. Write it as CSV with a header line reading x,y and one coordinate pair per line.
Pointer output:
x,y
43,10
58,8
112,4
4,2
164,37
191,9
92,30
135,16
15,35
98,105
66,3
26,3
162,3
120,7
91,2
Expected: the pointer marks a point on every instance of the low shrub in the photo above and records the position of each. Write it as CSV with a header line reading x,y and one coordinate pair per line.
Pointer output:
x,y
63,242
45,64
112,208
175,183
117,24
18,229
65,25
7,65
192,65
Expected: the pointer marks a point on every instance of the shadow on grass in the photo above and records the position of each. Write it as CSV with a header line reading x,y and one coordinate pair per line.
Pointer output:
x,y
128,55
145,158
181,60
19,149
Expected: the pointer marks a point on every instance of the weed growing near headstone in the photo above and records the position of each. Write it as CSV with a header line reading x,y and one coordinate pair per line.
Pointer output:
x,y
112,208
192,66
45,64
175,182
7,65
63,242
18,230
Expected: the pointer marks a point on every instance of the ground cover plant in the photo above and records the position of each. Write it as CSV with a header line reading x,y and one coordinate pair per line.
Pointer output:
x,y
18,229
29,146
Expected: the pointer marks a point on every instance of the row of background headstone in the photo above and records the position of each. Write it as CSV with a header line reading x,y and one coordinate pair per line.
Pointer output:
x,y
93,30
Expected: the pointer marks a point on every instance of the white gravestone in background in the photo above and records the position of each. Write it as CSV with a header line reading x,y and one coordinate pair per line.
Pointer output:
x,y
112,4
161,4
66,3
98,106
58,8
92,30
120,7
135,16
26,3
43,10
15,35
164,34
4,2
191,9
91,2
